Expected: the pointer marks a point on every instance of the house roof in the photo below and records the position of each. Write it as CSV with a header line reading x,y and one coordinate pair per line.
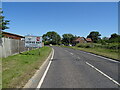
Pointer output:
x,y
88,39
12,34
78,39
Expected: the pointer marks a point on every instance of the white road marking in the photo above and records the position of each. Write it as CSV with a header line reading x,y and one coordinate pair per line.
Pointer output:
x,y
71,53
78,57
52,54
101,57
66,50
45,73
103,74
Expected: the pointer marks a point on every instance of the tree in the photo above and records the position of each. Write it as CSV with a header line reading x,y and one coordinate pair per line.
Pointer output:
x,y
52,38
67,39
3,23
105,40
95,36
114,38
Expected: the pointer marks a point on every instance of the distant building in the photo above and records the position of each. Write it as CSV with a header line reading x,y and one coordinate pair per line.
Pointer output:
x,y
82,40
89,40
13,36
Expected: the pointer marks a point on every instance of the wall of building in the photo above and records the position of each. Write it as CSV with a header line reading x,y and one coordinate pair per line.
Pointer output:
x,y
11,46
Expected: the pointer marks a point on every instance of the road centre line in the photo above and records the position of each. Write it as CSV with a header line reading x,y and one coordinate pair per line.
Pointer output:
x,y
66,50
78,57
45,73
71,53
103,74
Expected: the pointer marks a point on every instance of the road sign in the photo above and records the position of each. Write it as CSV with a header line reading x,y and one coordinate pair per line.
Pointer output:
x,y
33,41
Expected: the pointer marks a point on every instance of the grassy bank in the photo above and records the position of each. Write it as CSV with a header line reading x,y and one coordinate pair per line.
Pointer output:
x,y
100,51
18,69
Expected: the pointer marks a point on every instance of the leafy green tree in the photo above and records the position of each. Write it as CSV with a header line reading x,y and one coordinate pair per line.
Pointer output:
x,y
52,38
67,39
95,36
114,38
3,23
104,40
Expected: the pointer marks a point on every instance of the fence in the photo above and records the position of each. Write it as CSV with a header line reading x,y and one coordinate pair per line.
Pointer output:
x,y
11,46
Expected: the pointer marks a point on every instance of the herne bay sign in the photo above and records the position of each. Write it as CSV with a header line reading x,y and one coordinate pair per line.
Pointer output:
x,y
33,41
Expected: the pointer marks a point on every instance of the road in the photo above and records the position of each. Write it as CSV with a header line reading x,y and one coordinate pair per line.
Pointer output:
x,y
77,69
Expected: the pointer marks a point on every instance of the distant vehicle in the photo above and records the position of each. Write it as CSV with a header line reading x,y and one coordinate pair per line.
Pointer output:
x,y
50,44
70,45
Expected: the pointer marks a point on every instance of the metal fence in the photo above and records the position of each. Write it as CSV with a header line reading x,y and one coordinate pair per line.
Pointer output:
x,y
11,46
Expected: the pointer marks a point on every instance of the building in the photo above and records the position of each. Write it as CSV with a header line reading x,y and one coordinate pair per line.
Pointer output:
x,y
82,40
13,36
89,40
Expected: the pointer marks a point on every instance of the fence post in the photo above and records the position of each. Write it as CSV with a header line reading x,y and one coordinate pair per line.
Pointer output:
x,y
39,51
18,47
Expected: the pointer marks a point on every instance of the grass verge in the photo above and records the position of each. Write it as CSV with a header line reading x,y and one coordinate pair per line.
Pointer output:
x,y
113,54
18,69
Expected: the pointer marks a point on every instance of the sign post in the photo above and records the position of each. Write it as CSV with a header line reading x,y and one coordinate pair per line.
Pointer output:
x,y
33,42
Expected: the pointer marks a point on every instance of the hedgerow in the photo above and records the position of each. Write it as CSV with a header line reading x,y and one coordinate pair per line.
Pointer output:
x,y
114,46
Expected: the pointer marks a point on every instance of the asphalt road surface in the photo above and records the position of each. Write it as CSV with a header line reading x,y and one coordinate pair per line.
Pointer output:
x,y
77,69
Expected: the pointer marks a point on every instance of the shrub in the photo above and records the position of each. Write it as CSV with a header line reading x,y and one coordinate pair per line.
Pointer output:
x,y
114,46
85,45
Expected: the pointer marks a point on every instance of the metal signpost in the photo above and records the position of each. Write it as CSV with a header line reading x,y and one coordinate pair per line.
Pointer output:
x,y
33,42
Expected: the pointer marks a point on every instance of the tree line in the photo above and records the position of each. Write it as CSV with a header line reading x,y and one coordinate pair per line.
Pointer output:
x,y
54,38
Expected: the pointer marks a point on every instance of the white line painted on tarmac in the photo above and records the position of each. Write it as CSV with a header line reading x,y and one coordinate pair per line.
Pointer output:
x,y
52,54
101,57
45,73
78,57
66,50
103,74
71,53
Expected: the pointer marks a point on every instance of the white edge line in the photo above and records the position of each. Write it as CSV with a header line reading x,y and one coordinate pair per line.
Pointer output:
x,y
101,57
103,74
45,73
66,50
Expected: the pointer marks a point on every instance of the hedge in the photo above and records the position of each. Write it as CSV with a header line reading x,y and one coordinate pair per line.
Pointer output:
x,y
114,46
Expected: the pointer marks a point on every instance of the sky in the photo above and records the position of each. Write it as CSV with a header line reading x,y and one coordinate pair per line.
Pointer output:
x,y
77,18
60,0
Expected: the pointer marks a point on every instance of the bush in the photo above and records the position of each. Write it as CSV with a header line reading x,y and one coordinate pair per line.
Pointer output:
x,y
114,46
85,45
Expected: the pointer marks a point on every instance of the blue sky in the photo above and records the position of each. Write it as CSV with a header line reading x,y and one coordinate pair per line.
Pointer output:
x,y
66,17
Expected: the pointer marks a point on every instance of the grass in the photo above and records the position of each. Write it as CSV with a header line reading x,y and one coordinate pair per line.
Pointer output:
x,y
18,69
113,54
